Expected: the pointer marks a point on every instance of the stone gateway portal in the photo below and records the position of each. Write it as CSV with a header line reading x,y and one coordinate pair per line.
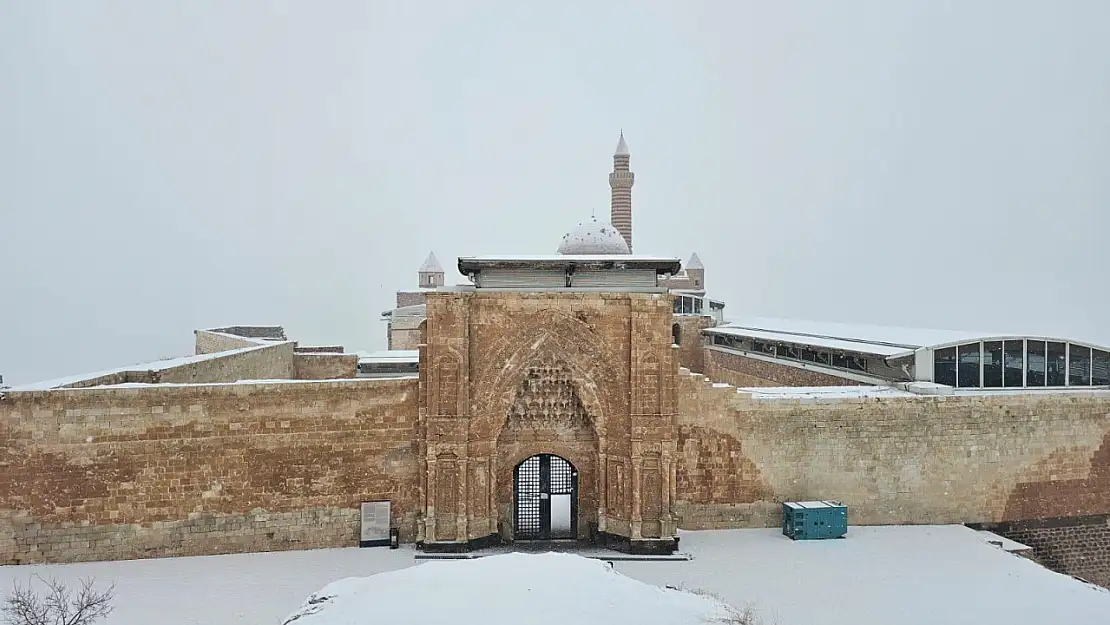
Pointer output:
x,y
545,499
549,413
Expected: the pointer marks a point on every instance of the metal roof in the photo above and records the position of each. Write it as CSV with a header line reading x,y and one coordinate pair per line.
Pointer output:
x,y
827,343
885,341
661,264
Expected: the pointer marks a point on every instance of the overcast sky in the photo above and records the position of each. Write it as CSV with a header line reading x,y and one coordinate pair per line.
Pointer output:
x,y
166,166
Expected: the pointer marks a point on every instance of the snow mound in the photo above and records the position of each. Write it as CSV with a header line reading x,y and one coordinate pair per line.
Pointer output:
x,y
508,589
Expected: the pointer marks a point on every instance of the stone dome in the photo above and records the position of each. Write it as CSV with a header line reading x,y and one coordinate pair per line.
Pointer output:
x,y
593,237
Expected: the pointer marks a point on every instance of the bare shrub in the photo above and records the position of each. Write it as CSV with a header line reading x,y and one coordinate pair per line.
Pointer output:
x,y
57,605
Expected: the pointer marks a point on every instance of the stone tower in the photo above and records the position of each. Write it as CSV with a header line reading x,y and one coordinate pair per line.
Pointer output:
x,y
696,270
431,274
620,181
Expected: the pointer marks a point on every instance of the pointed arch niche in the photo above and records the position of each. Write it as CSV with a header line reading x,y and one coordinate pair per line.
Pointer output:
x,y
547,416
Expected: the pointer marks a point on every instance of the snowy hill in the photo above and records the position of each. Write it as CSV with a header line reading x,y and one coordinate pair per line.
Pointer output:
x,y
539,589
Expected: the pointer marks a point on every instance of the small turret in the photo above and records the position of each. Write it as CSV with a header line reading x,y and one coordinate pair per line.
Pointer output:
x,y
431,274
696,271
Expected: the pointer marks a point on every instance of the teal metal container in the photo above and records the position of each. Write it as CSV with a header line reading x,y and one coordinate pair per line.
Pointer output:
x,y
814,520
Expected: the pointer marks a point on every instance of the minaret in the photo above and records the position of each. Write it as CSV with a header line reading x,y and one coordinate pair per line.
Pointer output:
x,y
620,181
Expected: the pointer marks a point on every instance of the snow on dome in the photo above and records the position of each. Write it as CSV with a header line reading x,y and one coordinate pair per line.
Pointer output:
x,y
547,589
593,237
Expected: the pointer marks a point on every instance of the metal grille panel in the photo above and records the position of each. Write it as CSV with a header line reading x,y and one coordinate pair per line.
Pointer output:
x,y
561,482
535,481
528,497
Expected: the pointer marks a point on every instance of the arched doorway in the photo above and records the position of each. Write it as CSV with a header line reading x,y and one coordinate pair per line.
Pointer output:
x,y
545,499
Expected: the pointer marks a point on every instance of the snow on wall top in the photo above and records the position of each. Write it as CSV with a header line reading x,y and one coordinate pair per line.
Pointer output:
x,y
823,392
159,365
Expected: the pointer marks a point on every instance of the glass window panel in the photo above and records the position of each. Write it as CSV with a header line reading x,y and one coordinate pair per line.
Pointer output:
x,y
677,305
838,360
1013,363
857,363
1056,364
790,352
1079,365
968,372
824,358
809,355
992,364
944,366
697,305
1100,368
1034,363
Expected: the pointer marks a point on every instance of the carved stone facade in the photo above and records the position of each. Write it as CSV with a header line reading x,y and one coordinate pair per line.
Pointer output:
x,y
588,377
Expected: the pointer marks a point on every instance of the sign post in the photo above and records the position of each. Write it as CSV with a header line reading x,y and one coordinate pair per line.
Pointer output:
x,y
375,524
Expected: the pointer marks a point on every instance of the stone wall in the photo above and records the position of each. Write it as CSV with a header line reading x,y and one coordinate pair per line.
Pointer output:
x,y
404,338
956,459
256,362
691,346
96,474
410,298
1078,546
211,342
266,362
324,366
404,329
740,371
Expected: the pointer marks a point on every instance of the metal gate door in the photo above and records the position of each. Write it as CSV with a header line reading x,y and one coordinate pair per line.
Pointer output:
x,y
545,489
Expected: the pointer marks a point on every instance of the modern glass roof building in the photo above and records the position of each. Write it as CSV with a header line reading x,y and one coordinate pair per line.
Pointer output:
x,y
885,355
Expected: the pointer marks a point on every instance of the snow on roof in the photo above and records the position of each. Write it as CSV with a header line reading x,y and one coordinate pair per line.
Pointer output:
x,y
414,310
695,262
159,365
431,264
541,589
565,258
870,339
827,343
390,355
907,338
622,147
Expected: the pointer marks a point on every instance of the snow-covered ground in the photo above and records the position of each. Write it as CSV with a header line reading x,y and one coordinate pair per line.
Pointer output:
x,y
538,588
911,575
